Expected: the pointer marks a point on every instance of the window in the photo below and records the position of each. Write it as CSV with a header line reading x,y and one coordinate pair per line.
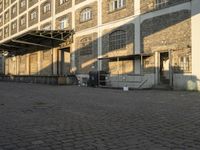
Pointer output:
x,y
6,30
47,7
86,15
22,3
1,33
184,63
117,40
47,27
64,23
22,21
1,19
14,10
33,15
6,2
1,5
86,46
161,3
14,25
62,1
6,16
116,4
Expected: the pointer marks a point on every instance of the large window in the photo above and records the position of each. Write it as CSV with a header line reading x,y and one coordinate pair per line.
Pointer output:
x,y
117,40
86,14
161,3
14,10
47,7
14,26
64,23
116,4
86,46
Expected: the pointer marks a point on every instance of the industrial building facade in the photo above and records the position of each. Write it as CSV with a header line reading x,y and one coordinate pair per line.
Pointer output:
x,y
139,43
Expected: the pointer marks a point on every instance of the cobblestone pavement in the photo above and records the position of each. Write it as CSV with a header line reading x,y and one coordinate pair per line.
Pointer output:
x,y
44,117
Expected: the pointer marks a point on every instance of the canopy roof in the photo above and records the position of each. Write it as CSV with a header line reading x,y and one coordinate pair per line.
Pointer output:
x,y
36,40
128,57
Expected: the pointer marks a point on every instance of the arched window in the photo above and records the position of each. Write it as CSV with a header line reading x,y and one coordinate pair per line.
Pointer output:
x,y
47,7
86,14
86,46
117,40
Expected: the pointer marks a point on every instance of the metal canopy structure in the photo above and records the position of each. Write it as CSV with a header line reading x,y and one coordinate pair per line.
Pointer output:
x,y
128,57
36,40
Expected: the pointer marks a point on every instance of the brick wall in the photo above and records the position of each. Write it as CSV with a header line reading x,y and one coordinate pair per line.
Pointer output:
x,y
88,24
86,59
107,16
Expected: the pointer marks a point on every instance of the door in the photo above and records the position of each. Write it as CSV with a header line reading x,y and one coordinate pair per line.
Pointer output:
x,y
164,68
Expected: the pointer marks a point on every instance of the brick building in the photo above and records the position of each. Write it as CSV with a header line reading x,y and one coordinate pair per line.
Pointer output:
x,y
140,43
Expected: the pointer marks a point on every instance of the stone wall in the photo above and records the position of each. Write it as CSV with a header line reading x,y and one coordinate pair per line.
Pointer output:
x,y
66,5
167,32
24,8
86,55
124,66
126,11
13,31
90,23
32,2
79,1
44,15
22,27
34,21
150,5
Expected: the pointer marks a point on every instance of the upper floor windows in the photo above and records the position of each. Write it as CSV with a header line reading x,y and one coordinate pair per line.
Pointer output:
x,y
22,20
64,23
7,16
62,1
23,3
86,14
117,40
47,27
116,4
33,15
14,10
47,7
14,26
161,3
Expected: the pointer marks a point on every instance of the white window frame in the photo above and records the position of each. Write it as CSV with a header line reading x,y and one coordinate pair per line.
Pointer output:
x,y
33,15
14,10
47,7
7,15
64,23
6,30
86,14
184,63
22,3
61,2
116,4
161,4
14,26
47,27
22,21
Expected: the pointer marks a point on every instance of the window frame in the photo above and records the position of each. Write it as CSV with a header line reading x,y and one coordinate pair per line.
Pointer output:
x,y
86,14
64,23
115,43
115,5
22,3
33,15
47,7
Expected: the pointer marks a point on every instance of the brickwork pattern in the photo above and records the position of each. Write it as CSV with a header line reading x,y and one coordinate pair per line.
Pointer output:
x,y
49,118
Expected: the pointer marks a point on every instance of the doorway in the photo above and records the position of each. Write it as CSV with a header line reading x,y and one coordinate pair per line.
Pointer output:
x,y
164,68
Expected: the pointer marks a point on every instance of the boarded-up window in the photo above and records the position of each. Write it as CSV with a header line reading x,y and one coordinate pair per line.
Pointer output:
x,y
33,64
